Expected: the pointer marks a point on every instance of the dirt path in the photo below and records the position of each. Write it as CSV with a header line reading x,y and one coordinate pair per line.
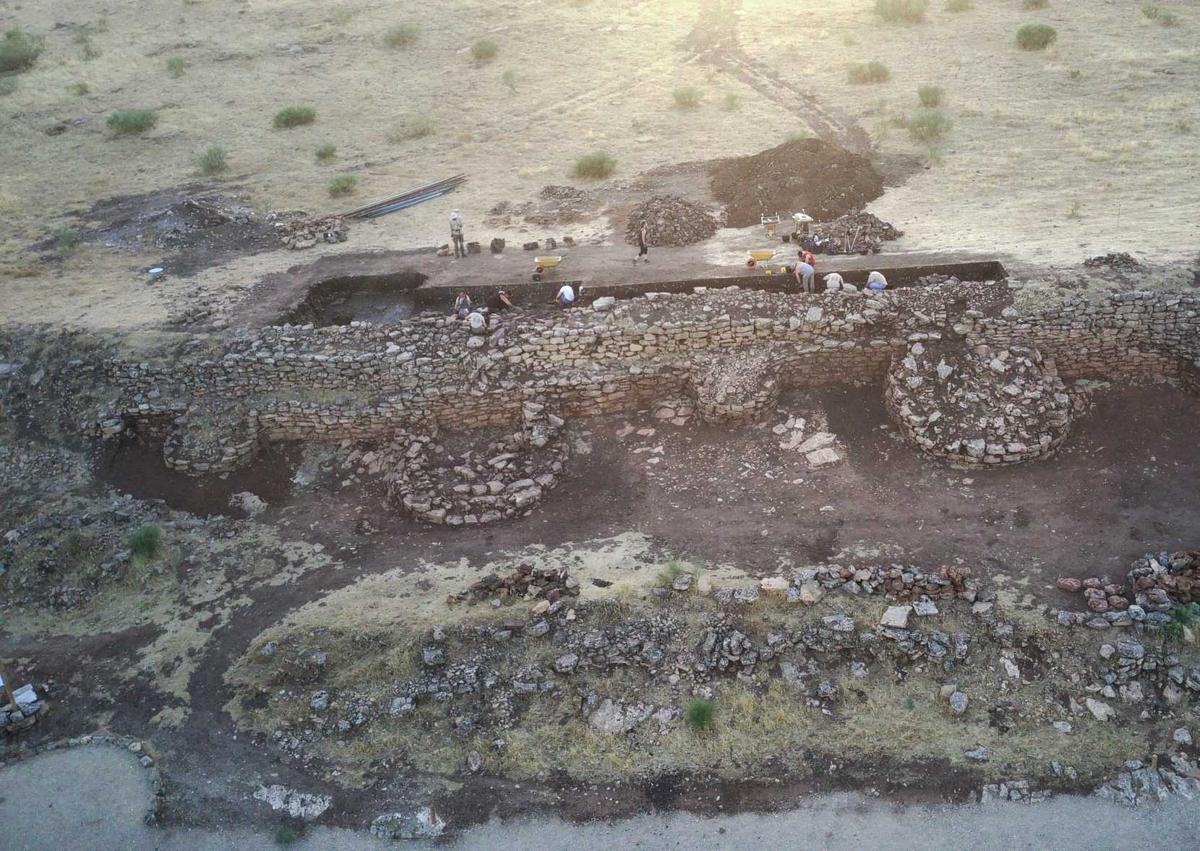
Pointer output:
x,y
715,41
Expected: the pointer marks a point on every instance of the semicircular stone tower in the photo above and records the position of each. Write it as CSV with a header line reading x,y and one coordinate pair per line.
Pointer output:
x,y
979,405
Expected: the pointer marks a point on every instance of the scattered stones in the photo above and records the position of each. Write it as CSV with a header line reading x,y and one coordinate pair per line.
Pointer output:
x,y
1100,711
958,702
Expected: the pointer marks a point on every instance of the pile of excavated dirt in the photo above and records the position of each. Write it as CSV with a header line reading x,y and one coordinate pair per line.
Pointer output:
x,y
671,220
807,175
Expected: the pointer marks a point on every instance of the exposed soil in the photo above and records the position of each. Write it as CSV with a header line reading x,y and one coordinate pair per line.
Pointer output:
x,y
806,175
1121,485
191,227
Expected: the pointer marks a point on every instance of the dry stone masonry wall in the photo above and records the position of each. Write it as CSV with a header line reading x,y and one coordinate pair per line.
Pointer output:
x,y
220,397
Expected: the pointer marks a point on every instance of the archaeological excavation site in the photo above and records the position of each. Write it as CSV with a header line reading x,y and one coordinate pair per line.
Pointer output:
x,y
752,475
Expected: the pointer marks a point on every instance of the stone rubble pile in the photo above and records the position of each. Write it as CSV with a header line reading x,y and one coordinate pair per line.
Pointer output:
x,y
527,582
299,234
1120,260
738,387
979,406
1155,584
506,479
671,220
24,713
856,232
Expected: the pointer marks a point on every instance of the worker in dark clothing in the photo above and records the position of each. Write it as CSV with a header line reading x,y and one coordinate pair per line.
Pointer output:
x,y
643,247
498,302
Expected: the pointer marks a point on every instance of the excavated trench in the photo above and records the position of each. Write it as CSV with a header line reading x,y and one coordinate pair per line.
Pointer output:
x,y
134,465
374,299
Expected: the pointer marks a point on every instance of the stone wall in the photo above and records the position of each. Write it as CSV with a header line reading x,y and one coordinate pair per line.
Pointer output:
x,y
361,382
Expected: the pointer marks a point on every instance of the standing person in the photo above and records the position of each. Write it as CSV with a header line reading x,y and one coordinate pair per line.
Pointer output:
x,y
643,248
805,276
462,305
808,257
456,234
566,296
876,282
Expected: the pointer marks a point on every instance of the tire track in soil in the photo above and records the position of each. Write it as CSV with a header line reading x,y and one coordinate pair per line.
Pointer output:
x,y
714,41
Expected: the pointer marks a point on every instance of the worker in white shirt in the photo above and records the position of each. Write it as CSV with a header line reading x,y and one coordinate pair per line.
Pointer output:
x,y
566,296
456,234
876,281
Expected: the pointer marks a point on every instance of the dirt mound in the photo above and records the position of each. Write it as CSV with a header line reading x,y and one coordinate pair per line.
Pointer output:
x,y
807,175
671,220
191,229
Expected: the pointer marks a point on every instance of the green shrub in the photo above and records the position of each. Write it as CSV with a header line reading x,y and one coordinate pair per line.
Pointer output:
x,y
295,116
730,102
125,121
176,66
930,96
594,166
66,239
326,152
699,713
412,127
958,5
1157,13
19,50
869,72
1033,5
212,161
687,97
78,89
146,542
401,36
8,85
1036,36
509,78
90,51
286,835
672,571
484,50
343,184
928,124
901,11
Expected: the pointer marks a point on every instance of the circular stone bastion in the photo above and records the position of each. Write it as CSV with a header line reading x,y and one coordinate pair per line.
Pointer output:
x,y
979,405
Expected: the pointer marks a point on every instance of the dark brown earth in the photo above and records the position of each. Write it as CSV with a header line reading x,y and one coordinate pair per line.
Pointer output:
x,y
808,175
1122,485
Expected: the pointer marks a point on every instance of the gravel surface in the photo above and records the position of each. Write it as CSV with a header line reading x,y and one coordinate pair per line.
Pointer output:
x,y
95,797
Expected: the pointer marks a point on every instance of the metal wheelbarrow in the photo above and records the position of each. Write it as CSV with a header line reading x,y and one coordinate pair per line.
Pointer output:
x,y
545,264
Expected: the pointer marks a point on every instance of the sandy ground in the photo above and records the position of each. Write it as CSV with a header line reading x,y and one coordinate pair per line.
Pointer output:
x,y
1032,138
94,798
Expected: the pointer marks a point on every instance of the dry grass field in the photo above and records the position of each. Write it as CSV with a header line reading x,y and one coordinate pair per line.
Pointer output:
x,y
1051,156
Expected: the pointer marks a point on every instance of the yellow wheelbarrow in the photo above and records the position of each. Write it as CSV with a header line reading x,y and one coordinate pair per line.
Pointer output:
x,y
545,264
759,255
